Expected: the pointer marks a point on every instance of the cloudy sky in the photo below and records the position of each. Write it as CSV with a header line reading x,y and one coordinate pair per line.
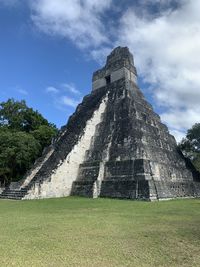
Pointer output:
x,y
49,50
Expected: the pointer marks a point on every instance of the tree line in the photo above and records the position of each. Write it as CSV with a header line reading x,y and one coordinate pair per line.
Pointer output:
x,y
24,133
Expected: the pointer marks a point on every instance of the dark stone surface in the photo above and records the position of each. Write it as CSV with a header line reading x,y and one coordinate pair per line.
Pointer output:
x,y
119,57
143,159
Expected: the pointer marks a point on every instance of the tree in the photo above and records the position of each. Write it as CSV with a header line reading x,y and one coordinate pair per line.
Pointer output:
x,y
24,133
11,114
18,151
44,134
16,115
190,146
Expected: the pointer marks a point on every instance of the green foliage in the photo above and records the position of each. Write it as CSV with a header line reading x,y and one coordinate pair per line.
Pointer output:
x,y
193,135
17,116
190,146
44,134
23,135
196,162
18,150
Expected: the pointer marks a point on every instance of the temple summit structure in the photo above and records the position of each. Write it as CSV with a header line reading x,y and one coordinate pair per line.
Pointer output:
x,y
114,145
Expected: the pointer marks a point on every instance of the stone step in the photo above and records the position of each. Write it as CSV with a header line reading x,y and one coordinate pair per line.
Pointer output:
x,y
120,177
11,197
18,194
14,198
17,190
124,189
14,194
82,188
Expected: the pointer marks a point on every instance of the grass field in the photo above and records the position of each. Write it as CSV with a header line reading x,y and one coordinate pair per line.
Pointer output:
x,y
101,232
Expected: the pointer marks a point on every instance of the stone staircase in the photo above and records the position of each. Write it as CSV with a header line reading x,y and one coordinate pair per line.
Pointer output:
x,y
13,193
18,192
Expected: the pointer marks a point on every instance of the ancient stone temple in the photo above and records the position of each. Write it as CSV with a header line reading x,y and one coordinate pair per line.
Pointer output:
x,y
114,145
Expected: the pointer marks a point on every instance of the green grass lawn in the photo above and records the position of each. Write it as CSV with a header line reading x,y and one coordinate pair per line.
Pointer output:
x,y
99,232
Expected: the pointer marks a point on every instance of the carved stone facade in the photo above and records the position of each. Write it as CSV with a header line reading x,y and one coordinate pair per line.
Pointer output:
x,y
114,145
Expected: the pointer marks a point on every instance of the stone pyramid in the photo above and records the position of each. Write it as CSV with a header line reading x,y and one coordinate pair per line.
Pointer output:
x,y
114,145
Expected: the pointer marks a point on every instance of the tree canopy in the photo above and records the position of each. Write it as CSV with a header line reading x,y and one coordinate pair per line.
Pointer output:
x,y
23,135
190,146
17,116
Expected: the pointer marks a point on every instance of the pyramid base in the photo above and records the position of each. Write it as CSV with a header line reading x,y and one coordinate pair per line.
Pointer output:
x,y
136,190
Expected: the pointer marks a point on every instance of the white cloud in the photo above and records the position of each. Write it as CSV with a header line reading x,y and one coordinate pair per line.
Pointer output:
x,y
179,135
52,89
165,41
78,20
100,54
68,101
59,97
22,91
72,88
181,119
166,50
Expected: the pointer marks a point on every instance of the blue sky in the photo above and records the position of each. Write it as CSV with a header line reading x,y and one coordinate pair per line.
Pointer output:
x,y
31,62
49,50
